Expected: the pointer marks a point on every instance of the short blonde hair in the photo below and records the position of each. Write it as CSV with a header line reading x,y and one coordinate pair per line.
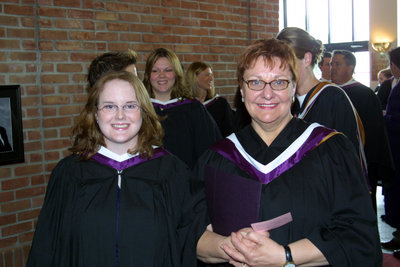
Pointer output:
x,y
386,72
268,49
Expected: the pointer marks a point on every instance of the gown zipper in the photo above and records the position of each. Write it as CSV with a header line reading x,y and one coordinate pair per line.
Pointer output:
x,y
117,220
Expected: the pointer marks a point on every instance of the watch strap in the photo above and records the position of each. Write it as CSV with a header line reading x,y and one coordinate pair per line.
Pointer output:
x,y
288,254
289,259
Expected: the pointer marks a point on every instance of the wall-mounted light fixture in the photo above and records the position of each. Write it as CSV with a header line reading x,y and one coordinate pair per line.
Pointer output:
x,y
381,47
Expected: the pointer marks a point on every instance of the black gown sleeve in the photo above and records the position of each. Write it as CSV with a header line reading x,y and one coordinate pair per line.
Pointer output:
x,y
53,219
333,109
349,236
205,130
189,129
222,113
383,93
377,151
193,222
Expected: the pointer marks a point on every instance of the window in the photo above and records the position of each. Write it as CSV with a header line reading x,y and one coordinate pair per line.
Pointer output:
x,y
339,24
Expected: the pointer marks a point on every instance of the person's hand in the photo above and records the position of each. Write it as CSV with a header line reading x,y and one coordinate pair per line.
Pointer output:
x,y
210,247
249,243
254,249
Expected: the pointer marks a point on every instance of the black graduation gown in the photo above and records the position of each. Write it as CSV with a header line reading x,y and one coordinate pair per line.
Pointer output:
x,y
376,148
326,194
86,221
384,91
189,128
392,194
222,113
241,117
333,109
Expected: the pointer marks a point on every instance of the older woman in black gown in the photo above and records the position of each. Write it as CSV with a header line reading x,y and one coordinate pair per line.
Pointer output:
x,y
304,177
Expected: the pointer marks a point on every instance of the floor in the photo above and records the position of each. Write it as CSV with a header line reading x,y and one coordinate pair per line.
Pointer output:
x,y
385,230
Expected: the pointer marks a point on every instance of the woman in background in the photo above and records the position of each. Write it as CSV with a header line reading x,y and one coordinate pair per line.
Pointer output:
x,y
346,112
383,75
200,79
189,128
385,87
120,199
322,102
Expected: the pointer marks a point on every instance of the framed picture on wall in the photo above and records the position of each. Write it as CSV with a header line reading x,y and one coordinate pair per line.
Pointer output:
x,y
11,137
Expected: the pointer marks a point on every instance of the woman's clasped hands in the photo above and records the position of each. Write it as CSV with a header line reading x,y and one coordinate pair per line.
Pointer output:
x,y
250,248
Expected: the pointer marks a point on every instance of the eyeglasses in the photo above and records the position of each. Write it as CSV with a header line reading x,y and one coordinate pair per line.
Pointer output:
x,y
112,109
276,85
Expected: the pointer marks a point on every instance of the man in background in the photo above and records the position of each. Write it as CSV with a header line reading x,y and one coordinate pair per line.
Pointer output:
x,y
377,152
111,61
325,67
392,118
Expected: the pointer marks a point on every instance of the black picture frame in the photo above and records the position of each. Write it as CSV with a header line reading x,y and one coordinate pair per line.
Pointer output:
x,y
11,132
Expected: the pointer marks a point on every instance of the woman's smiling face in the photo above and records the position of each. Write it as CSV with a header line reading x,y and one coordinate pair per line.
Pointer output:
x,y
267,107
205,79
162,79
121,128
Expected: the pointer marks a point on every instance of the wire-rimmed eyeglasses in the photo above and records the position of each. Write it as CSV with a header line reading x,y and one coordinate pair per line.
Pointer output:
x,y
112,109
276,85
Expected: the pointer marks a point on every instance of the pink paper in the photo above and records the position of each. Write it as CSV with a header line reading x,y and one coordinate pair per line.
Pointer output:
x,y
273,223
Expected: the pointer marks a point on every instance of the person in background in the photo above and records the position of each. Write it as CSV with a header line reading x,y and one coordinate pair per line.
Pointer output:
x,y
283,167
189,128
120,199
317,101
386,87
382,76
325,67
241,117
392,120
4,143
200,79
111,61
377,151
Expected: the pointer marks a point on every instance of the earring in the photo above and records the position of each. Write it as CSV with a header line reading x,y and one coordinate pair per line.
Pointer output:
x,y
242,99
293,99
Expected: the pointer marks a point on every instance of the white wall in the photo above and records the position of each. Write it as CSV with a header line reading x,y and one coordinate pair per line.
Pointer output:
x,y
383,21
383,28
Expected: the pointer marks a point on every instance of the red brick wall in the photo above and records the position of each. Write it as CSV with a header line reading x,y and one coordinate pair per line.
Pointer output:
x,y
46,46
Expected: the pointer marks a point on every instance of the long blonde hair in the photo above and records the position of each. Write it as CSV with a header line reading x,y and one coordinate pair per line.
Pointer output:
x,y
302,42
191,78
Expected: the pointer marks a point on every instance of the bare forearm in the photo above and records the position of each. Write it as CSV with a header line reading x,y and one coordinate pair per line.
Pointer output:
x,y
209,248
306,253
